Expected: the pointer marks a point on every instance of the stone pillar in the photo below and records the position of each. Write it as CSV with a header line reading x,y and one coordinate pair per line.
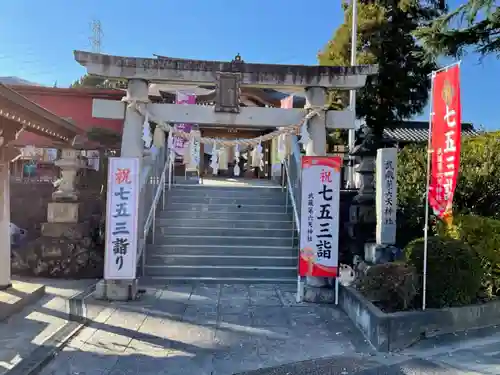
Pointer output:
x,y
132,143
5,271
316,97
132,146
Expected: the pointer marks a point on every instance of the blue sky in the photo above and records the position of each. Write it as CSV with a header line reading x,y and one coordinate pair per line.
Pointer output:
x,y
37,38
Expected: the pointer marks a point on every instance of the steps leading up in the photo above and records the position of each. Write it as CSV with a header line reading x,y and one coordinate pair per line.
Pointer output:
x,y
227,234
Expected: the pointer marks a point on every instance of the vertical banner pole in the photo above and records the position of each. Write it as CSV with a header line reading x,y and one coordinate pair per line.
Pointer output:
x,y
298,298
352,94
337,288
426,221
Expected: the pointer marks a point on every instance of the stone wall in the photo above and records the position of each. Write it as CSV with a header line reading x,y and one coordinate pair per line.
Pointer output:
x,y
28,205
29,199
62,253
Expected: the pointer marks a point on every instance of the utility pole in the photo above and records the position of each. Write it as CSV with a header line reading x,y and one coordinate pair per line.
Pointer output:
x,y
352,93
97,34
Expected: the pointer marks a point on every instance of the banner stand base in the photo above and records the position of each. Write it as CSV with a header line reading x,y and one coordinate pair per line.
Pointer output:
x,y
117,290
324,295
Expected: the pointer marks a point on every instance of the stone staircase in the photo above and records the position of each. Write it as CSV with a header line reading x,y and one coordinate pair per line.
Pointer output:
x,y
226,234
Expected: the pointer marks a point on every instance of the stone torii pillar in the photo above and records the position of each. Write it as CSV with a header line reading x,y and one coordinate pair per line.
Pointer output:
x,y
132,143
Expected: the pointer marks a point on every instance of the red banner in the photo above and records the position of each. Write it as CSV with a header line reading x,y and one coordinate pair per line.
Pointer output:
x,y
445,140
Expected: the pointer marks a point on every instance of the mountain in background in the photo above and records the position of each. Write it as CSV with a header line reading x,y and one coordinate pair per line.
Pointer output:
x,y
17,81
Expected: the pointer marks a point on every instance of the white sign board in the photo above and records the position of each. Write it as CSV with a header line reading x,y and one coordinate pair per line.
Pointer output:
x,y
122,219
386,195
93,159
319,221
51,154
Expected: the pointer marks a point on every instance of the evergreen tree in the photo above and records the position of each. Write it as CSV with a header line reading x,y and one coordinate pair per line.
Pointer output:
x,y
88,81
93,81
474,24
385,37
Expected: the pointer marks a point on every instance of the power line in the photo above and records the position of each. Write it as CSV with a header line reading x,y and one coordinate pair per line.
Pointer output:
x,y
97,34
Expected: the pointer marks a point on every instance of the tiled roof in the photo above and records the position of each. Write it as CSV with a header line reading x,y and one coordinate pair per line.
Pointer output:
x,y
417,131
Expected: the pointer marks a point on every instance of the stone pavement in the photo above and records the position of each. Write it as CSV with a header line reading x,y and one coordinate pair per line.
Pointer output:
x,y
207,329
236,329
23,333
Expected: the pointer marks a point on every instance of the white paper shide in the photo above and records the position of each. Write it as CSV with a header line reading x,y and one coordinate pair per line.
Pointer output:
x,y
121,219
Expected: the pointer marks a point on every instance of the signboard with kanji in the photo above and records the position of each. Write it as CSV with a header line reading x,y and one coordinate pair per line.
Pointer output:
x,y
386,203
319,222
122,219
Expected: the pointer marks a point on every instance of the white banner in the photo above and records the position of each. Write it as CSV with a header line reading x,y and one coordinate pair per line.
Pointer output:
x,y
122,219
180,144
319,222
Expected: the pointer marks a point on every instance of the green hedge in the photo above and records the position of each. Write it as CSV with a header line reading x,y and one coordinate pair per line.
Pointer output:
x,y
482,234
454,270
393,286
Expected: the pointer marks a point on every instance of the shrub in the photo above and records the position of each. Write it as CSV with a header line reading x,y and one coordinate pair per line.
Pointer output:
x,y
454,271
478,185
483,235
394,285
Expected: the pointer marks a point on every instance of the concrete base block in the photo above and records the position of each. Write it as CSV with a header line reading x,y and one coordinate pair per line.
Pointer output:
x,y
117,290
19,295
319,295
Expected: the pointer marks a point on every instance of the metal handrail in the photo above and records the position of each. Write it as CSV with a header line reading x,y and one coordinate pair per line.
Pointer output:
x,y
289,187
293,185
160,192
295,157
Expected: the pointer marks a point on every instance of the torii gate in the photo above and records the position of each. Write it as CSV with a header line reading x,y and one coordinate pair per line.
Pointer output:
x,y
227,77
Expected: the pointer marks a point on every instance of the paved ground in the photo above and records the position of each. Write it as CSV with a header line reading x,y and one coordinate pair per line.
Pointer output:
x,y
21,334
223,330
210,329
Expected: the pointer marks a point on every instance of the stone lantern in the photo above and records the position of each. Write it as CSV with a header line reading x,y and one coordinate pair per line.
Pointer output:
x,y
62,213
69,165
362,216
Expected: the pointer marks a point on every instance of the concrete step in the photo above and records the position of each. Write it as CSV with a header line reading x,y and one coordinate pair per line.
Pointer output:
x,y
228,224
221,250
219,191
241,215
160,281
222,240
236,208
221,231
247,200
221,271
220,260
